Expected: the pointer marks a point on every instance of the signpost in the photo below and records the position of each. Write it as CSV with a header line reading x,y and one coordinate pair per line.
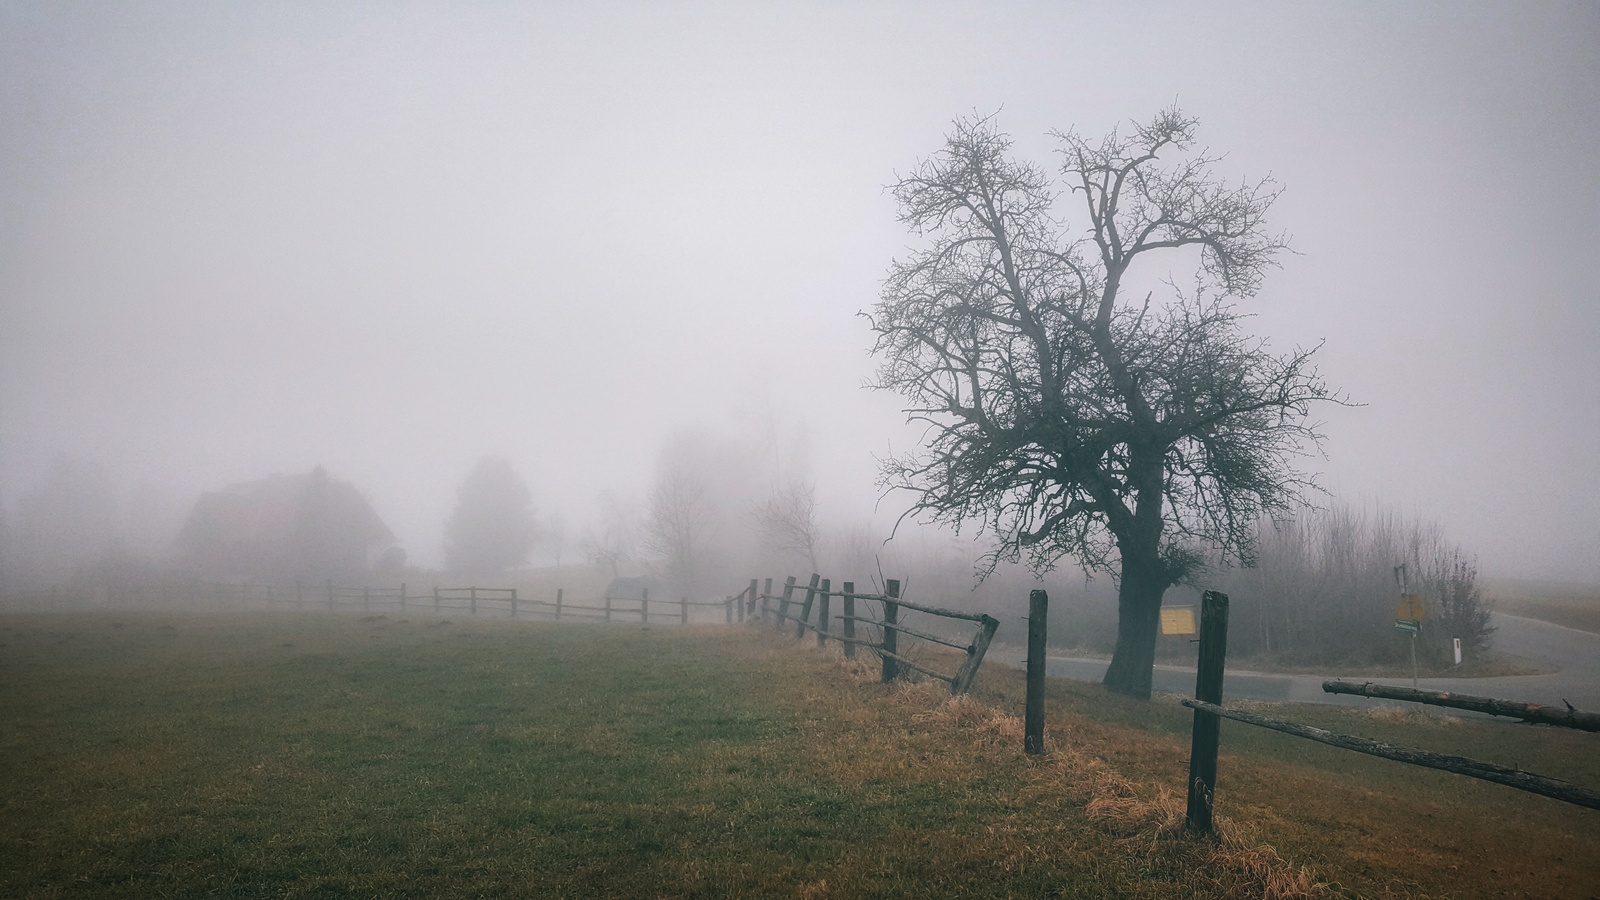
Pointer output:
x,y
1177,620
1408,617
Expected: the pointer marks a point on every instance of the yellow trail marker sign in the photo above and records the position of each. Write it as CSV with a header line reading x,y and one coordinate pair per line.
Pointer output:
x,y
1177,620
1410,607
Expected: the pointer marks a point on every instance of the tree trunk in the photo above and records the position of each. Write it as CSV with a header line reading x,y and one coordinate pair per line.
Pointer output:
x,y
1138,621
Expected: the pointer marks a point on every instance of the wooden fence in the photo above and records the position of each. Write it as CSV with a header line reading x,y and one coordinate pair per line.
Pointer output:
x,y
1208,711
471,600
883,633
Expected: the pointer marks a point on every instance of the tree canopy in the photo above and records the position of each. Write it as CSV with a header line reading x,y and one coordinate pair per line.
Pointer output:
x,y
1078,402
492,528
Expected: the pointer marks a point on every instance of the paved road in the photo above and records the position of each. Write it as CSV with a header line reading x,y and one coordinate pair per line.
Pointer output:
x,y
1575,654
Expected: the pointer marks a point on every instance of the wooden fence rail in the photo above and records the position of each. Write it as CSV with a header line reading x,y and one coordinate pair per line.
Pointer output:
x,y
1528,712
472,599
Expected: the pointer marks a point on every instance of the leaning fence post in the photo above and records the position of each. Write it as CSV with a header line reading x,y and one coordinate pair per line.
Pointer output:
x,y
805,609
783,603
849,620
975,653
1207,688
766,598
559,592
608,607
644,607
822,612
1033,724
748,607
891,610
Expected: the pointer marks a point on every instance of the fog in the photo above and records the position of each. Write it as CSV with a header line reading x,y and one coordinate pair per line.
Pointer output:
x,y
238,240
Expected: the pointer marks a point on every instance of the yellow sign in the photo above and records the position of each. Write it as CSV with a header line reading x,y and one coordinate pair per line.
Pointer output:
x,y
1177,620
1410,607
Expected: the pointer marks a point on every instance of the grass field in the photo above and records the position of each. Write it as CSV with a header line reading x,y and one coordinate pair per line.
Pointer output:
x,y
257,755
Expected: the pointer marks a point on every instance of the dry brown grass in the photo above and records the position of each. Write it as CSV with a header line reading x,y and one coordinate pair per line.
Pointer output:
x,y
1143,819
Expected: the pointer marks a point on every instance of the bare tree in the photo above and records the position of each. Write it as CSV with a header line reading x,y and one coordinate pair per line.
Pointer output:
x,y
677,519
1135,434
609,543
788,521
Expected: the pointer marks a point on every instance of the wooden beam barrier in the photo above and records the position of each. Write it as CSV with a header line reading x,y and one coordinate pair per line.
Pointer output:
x,y
1528,712
1460,765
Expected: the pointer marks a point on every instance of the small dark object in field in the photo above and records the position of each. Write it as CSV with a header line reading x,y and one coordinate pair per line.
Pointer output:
x,y
287,644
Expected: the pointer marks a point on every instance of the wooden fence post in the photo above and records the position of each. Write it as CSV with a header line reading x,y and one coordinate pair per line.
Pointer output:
x,y
683,611
1207,688
644,606
751,603
891,611
766,598
805,609
727,609
472,592
849,620
513,603
822,612
783,603
559,592
1033,723
608,607
975,653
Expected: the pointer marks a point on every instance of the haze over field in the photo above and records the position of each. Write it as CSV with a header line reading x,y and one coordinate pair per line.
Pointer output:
x,y
238,240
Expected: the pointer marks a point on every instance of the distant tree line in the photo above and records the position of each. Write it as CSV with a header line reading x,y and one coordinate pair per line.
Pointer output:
x,y
1323,590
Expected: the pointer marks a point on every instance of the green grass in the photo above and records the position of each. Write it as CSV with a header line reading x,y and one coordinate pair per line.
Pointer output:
x,y
323,755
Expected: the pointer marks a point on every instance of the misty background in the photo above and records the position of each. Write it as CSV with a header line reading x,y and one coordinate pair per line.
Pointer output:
x,y
392,240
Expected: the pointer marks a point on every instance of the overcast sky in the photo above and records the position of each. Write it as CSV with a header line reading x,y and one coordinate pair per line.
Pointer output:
x,y
238,239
